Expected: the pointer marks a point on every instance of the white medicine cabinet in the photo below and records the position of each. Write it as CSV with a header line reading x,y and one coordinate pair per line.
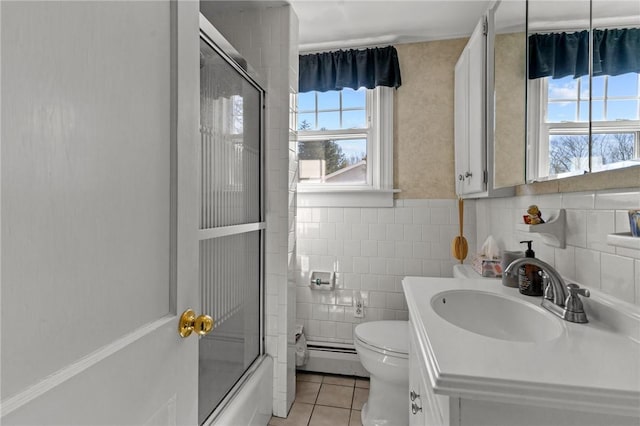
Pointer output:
x,y
489,156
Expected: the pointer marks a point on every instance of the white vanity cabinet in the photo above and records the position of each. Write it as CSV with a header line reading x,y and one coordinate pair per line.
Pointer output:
x,y
427,408
588,375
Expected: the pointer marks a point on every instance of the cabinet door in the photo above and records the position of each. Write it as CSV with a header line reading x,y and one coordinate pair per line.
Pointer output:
x,y
474,181
461,127
470,138
429,409
416,411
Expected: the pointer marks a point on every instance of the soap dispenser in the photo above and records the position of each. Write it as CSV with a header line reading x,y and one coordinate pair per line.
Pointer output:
x,y
529,277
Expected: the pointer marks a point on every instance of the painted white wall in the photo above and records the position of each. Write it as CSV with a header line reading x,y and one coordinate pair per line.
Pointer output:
x,y
371,250
587,259
267,38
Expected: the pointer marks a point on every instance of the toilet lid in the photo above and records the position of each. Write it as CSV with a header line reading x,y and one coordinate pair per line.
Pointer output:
x,y
386,335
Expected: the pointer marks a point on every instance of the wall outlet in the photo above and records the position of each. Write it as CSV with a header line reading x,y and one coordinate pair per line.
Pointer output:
x,y
359,312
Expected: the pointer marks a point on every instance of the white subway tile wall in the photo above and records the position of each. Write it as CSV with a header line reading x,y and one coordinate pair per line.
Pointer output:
x,y
371,250
587,259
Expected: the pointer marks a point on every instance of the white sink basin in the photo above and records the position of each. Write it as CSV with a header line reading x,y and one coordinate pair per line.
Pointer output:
x,y
479,339
497,316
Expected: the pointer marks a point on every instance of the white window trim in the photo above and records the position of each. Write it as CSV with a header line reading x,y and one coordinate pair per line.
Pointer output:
x,y
378,192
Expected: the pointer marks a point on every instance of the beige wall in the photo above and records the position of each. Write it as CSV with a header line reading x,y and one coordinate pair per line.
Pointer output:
x,y
423,131
423,119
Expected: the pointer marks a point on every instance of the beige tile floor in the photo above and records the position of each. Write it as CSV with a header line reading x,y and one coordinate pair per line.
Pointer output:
x,y
326,400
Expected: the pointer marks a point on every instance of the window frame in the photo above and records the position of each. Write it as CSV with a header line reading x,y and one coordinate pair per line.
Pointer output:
x,y
378,190
538,165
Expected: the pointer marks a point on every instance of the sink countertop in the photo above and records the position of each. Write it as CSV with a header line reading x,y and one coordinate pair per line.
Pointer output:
x,y
589,367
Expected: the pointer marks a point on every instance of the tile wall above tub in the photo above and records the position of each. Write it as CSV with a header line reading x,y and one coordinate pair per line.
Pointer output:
x,y
371,250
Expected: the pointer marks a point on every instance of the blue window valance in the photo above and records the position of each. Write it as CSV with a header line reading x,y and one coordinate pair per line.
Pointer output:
x,y
349,69
556,55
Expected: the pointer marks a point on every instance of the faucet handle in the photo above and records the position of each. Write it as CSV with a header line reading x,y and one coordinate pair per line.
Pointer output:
x,y
573,308
546,285
575,290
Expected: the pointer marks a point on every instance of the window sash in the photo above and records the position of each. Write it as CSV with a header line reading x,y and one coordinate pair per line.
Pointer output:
x,y
368,133
337,137
539,162
340,110
577,99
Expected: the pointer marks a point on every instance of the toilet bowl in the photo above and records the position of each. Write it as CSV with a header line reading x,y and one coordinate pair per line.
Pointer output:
x,y
383,348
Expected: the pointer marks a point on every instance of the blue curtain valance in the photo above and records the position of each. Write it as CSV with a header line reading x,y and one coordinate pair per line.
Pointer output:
x,y
556,55
349,69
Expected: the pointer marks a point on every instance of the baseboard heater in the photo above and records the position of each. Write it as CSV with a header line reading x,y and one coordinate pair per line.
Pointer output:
x,y
331,347
333,358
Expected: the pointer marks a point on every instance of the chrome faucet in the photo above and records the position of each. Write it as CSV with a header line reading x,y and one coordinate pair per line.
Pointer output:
x,y
559,298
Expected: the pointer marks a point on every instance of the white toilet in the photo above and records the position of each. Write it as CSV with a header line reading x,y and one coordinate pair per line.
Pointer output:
x,y
383,347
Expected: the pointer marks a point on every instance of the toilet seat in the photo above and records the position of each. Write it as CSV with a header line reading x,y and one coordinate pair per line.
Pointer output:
x,y
386,337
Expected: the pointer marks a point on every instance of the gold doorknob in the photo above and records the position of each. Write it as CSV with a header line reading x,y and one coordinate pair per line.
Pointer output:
x,y
189,323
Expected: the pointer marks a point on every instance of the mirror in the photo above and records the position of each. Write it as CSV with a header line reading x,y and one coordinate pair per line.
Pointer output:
x,y
615,87
582,115
509,59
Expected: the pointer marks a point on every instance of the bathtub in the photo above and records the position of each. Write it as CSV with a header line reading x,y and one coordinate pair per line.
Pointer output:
x,y
250,402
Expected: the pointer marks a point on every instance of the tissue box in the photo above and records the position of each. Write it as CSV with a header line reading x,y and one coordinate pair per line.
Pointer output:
x,y
487,267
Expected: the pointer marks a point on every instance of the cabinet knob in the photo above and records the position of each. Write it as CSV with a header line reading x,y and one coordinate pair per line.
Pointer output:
x,y
415,408
468,174
460,177
413,395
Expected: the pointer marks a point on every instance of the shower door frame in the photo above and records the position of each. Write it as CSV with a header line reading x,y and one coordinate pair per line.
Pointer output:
x,y
214,39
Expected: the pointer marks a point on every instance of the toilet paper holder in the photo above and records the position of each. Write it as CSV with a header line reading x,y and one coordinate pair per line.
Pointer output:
x,y
322,280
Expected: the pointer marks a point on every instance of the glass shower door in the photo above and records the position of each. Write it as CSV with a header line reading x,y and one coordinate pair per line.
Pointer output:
x,y
231,224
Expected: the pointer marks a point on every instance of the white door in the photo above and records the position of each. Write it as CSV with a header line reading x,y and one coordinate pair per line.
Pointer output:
x,y
99,212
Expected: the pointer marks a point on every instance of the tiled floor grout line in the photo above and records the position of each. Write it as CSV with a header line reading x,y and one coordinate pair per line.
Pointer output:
x,y
353,396
312,410
327,384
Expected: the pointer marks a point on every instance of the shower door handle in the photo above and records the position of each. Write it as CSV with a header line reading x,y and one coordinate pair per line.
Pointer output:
x,y
202,324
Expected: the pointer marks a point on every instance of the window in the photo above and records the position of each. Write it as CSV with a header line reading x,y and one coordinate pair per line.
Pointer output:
x,y
345,147
332,140
564,130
